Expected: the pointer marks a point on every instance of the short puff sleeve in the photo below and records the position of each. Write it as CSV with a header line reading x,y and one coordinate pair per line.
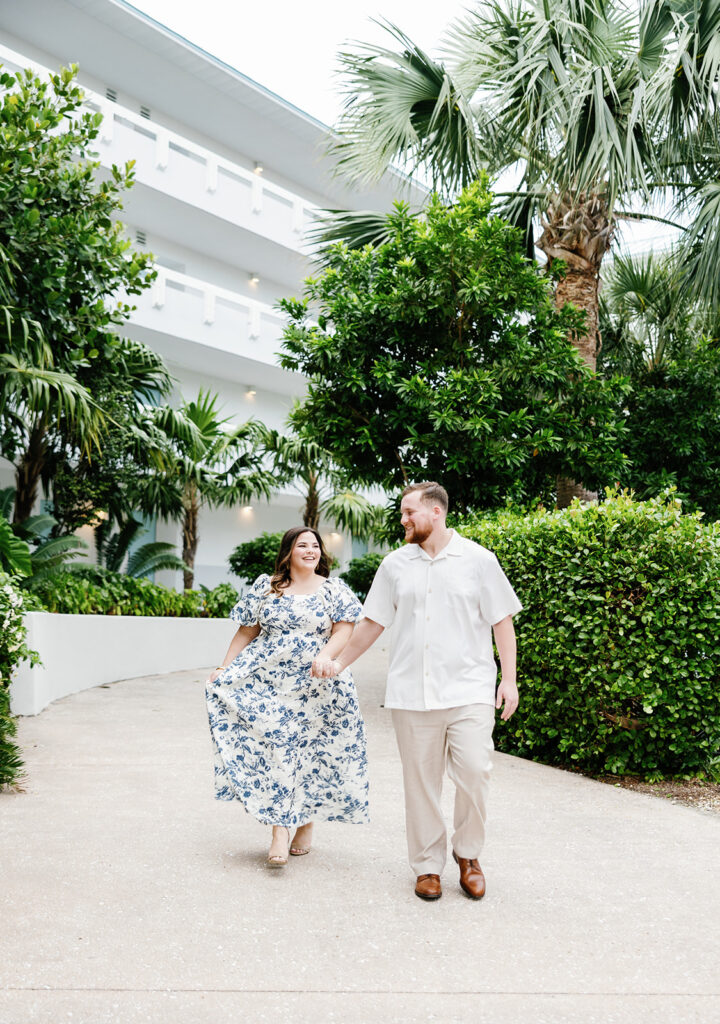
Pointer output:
x,y
246,611
344,606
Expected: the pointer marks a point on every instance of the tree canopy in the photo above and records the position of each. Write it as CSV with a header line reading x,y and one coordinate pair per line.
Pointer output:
x,y
64,261
440,354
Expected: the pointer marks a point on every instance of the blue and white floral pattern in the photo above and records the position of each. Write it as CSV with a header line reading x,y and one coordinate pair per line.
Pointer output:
x,y
289,746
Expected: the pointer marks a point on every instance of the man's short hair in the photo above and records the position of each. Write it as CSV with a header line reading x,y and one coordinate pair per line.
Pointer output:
x,y
430,492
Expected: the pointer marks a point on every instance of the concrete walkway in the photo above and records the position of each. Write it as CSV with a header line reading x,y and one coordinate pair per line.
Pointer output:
x,y
129,895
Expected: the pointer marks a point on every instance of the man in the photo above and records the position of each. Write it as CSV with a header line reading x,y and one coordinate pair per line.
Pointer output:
x,y
445,596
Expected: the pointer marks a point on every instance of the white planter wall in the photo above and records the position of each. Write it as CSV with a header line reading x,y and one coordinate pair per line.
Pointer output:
x,y
81,651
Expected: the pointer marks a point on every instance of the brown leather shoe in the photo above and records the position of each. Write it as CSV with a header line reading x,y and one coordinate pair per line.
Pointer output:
x,y
427,887
472,879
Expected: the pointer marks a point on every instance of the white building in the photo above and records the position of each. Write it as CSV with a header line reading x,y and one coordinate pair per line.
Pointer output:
x,y
228,178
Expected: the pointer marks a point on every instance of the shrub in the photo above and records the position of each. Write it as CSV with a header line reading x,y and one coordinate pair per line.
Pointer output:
x,y
96,592
618,645
361,572
254,557
13,650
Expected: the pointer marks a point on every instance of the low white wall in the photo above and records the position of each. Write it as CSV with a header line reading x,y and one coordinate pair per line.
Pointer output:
x,y
80,651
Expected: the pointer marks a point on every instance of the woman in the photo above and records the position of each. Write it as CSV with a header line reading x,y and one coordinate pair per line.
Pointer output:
x,y
288,745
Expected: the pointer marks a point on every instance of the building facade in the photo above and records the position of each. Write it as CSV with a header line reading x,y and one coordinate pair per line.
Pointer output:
x,y
229,177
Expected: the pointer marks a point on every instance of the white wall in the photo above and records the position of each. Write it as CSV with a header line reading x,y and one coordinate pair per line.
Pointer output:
x,y
81,651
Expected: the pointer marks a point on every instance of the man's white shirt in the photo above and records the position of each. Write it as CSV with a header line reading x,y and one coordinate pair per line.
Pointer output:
x,y
442,611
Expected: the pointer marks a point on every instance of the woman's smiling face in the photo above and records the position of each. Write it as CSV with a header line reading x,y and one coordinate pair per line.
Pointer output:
x,y
305,553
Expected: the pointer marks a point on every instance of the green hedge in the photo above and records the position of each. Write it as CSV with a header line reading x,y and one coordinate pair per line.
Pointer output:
x,y
97,592
619,640
13,650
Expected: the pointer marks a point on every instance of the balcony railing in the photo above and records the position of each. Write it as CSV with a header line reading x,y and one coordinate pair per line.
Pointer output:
x,y
176,166
187,307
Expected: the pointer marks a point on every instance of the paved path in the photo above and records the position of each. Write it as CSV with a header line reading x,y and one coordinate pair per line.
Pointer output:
x,y
129,895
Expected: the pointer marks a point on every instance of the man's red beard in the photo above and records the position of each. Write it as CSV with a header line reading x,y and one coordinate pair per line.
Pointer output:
x,y
418,534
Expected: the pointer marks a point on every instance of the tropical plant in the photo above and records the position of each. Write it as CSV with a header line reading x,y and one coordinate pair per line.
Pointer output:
x,y
14,552
36,552
646,319
215,465
113,548
440,355
137,443
595,110
308,467
66,258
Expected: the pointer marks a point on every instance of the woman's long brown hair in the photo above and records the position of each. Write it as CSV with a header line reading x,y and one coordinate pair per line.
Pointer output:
x,y
280,579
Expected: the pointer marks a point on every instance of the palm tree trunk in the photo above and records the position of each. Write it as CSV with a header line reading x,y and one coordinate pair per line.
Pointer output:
x,y
311,512
27,474
190,536
578,230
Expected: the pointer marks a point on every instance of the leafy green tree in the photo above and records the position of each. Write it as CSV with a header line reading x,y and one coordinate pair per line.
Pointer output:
x,y
325,489
66,259
439,354
591,110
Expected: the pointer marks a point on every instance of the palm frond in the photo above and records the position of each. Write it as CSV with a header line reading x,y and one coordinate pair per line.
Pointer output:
x,y
154,557
353,512
402,106
355,228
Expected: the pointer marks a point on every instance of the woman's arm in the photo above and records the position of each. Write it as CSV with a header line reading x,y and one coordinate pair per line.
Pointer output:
x,y
244,636
339,636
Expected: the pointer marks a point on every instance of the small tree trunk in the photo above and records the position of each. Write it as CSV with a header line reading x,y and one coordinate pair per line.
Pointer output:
x,y
190,538
27,474
311,512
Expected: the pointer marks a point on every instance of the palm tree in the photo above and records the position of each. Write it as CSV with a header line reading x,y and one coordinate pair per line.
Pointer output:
x,y
645,317
213,464
595,109
302,463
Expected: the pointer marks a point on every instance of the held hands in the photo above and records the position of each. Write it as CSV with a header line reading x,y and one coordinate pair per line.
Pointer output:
x,y
325,667
508,692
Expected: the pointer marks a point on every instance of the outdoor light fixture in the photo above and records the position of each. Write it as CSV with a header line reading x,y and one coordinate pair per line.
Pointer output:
x,y
258,167
253,278
251,391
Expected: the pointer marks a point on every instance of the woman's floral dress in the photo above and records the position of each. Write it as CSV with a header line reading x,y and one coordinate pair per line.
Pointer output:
x,y
289,746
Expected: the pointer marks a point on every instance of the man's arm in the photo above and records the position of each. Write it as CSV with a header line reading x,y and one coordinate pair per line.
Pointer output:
x,y
504,633
364,635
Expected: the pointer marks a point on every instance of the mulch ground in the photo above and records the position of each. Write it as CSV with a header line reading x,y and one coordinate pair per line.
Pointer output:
x,y
699,793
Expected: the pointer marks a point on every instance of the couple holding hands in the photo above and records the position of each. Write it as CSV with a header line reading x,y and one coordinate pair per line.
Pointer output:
x,y
287,731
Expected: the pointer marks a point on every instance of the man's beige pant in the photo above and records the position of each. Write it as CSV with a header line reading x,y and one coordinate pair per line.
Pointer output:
x,y
459,740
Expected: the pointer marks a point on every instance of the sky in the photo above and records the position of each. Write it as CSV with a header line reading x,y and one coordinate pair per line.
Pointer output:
x,y
291,47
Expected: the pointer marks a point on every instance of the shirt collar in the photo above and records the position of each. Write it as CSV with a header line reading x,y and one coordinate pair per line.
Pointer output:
x,y
452,548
